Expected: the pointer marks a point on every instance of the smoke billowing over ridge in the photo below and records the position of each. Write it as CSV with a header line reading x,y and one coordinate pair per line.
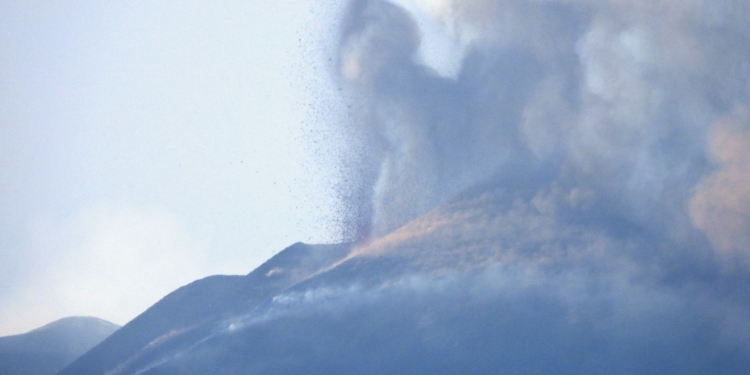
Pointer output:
x,y
636,110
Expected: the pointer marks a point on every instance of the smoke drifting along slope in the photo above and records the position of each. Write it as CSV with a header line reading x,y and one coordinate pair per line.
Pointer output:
x,y
635,109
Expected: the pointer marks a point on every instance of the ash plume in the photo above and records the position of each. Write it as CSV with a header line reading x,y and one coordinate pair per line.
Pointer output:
x,y
636,109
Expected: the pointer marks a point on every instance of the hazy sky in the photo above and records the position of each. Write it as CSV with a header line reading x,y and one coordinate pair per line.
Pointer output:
x,y
144,145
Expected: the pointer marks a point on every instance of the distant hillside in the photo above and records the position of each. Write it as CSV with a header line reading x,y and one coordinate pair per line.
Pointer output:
x,y
48,349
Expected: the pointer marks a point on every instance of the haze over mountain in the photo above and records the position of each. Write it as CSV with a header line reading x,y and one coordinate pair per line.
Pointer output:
x,y
554,186
46,350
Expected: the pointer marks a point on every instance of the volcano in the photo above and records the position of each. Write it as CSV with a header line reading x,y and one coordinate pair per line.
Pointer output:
x,y
485,284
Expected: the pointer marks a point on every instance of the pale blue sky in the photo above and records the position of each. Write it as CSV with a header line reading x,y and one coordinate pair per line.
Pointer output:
x,y
144,145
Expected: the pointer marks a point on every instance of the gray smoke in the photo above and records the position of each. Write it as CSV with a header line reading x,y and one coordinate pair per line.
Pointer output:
x,y
637,110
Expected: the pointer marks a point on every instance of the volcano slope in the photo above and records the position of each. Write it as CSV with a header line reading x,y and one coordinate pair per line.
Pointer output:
x,y
490,283
191,313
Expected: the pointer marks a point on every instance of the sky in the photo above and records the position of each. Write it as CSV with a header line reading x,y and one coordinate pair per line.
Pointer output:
x,y
145,145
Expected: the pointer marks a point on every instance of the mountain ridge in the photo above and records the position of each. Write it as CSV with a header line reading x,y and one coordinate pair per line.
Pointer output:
x,y
47,349
190,312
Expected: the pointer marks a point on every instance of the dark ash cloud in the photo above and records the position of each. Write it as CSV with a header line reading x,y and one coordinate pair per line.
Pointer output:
x,y
620,102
